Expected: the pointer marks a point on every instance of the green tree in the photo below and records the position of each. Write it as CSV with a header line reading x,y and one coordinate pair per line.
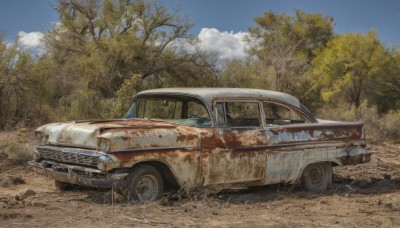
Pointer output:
x,y
244,74
284,45
346,69
20,89
386,88
102,49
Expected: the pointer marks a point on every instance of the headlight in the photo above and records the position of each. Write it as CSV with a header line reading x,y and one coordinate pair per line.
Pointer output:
x,y
105,163
41,138
103,144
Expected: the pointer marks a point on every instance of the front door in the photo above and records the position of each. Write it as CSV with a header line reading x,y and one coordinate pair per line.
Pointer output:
x,y
236,151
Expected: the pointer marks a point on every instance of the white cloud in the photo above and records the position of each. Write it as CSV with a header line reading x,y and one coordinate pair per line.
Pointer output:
x,y
183,44
31,41
228,45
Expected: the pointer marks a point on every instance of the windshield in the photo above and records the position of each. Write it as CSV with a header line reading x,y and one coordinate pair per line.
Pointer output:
x,y
182,111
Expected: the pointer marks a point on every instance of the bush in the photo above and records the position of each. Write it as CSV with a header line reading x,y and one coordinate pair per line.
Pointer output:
x,y
114,108
391,125
15,148
374,128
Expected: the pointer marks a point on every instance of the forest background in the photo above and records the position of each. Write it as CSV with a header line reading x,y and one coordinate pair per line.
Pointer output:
x,y
101,53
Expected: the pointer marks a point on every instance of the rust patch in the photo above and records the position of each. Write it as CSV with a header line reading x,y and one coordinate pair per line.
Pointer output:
x,y
182,137
231,139
189,158
354,160
212,141
128,157
125,138
137,124
228,139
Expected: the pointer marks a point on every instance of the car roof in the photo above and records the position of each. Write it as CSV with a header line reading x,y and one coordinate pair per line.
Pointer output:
x,y
210,94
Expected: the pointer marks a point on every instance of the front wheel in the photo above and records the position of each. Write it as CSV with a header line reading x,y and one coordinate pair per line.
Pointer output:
x,y
316,177
144,183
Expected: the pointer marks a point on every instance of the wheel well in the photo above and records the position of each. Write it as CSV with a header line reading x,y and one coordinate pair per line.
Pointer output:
x,y
334,164
164,170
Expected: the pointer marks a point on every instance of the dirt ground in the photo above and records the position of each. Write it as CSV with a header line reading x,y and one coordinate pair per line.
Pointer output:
x,y
365,195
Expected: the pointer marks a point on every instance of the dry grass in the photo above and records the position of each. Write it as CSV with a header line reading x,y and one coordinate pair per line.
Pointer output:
x,y
377,127
15,148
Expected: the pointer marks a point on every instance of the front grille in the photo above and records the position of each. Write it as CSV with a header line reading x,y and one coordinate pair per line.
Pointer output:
x,y
67,156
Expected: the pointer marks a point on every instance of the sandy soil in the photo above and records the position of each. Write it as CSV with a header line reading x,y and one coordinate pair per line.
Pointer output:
x,y
365,195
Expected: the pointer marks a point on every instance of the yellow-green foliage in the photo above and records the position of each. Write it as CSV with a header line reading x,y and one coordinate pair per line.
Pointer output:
x,y
346,68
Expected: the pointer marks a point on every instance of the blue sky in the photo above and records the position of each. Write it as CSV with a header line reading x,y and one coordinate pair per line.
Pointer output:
x,y
349,15
229,18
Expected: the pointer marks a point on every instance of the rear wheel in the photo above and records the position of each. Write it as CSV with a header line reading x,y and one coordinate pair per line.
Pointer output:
x,y
144,183
316,177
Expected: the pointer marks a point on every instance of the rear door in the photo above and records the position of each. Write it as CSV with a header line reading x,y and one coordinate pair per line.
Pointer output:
x,y
290,142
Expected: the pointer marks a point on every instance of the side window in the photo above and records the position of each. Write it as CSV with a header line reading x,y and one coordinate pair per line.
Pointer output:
x,y
197,110
176,109
238,114
279,115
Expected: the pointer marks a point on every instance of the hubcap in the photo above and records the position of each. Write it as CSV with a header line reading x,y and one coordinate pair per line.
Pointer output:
x,y
146,188
316,175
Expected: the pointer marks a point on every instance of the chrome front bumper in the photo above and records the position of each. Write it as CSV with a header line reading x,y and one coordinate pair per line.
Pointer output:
x,y
78,175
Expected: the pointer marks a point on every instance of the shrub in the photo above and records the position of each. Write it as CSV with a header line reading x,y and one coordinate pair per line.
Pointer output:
x,y
15,148
364,113
391,125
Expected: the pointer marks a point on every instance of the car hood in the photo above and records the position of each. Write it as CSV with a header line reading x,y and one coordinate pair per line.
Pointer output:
x,y
122,133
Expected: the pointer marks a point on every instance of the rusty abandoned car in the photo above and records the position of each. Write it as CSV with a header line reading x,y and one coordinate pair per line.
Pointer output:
x,y
199,138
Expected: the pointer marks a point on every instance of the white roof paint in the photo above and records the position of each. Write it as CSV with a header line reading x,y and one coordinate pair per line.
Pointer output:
x,y
210,94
